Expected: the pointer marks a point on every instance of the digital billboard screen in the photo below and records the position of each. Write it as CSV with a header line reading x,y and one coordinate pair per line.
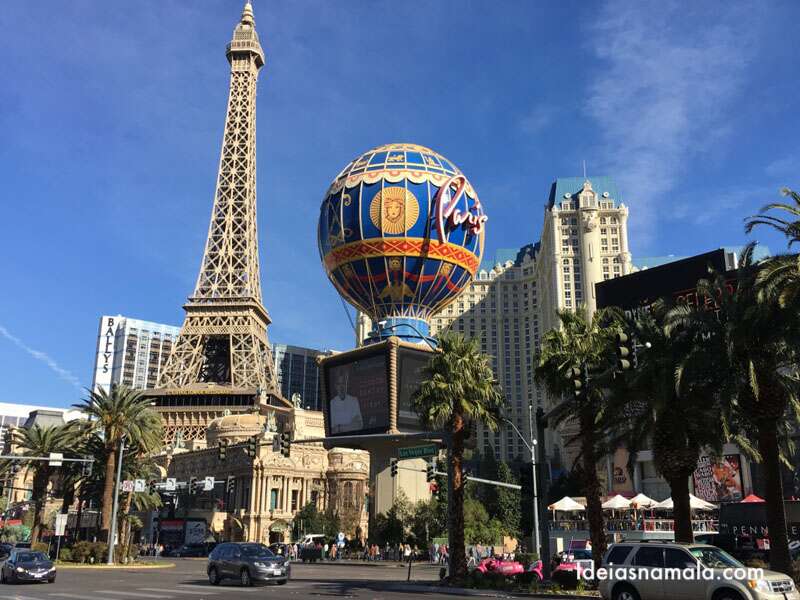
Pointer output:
x,y
357,395
676,282
411,373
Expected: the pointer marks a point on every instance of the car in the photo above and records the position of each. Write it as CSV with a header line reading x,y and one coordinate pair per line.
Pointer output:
x,y
631,574
247,562
508,568
23,564
280,549
570,564
189,550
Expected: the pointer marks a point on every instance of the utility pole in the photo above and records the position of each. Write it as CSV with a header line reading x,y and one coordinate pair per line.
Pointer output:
x,y
537,542
113,530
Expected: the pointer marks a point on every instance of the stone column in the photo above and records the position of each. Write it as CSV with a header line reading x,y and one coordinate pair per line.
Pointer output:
x,y
589,240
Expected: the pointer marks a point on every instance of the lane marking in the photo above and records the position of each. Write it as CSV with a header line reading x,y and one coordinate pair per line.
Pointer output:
x,y
74,596
19,597
132,594
171,591
238,588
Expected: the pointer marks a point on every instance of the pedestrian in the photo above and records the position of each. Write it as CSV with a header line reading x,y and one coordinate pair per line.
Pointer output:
x,y
471,562
333,551
325,551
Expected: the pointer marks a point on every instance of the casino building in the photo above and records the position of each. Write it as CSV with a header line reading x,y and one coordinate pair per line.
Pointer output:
x,y
513,300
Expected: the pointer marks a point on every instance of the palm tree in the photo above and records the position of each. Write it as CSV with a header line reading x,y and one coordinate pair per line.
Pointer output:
x,y
779,276
120,413
585,345
668,401
40,441
756,339
458,387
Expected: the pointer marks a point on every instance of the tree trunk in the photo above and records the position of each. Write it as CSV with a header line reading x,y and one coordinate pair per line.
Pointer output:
x,y
126,526
457,551
681,510
39,493
108,493
779,558
591,485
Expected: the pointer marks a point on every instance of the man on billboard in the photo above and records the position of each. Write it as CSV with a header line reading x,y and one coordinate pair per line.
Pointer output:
x,y
345,410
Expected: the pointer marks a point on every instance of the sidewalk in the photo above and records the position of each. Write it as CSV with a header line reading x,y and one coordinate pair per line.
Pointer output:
x,y
426,588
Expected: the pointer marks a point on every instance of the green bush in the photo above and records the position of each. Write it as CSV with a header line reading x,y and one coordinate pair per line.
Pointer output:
x,y
99,552
65,555
40,547
526,558
756,563
81,552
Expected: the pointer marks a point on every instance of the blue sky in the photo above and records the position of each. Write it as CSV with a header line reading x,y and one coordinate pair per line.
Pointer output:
x,y
111,115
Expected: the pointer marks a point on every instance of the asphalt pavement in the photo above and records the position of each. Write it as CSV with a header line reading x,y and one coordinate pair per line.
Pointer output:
x,y
187,581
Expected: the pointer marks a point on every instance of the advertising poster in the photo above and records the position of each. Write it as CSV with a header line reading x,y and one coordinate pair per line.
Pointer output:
x,y
412,365
719,480
358,396
621,478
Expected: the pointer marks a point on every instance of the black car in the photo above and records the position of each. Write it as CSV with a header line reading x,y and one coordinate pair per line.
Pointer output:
x,y
26,565
190,550
248,562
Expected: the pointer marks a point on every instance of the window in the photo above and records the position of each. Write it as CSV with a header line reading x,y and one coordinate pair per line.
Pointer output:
x,y
294,500
273,499
617,555
678,559
649,557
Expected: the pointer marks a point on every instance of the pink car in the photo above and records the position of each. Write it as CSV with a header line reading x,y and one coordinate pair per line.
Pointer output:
x,y
509,568
571,564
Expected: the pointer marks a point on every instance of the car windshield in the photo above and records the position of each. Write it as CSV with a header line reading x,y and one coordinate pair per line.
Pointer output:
x,y
581,554
257,551
30,556
714,558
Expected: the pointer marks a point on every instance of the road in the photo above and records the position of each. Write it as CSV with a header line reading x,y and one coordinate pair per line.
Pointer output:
x,y
187,581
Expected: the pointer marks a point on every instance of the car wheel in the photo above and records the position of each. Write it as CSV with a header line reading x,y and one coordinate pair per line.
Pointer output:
x,y
625,592
213,576
282,582
51,580
245,578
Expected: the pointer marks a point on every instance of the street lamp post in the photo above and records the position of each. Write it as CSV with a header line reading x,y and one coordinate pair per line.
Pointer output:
x,y
112,534
531,446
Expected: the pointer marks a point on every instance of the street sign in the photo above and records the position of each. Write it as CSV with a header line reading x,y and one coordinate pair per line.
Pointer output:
x,y
127,485
139,485
61,523
171,484
418,451
55,459
208,484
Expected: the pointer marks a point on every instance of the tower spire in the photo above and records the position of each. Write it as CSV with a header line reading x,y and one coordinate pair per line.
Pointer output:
x,y
222,348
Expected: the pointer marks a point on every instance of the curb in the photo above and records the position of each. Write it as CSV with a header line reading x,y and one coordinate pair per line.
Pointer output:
x,y
114,567
453,591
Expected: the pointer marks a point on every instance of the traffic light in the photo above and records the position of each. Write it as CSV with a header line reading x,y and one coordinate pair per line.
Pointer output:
x,y
578,379
393,465
230,484
223,449
431,476
625,352
192,485
286,443
252,446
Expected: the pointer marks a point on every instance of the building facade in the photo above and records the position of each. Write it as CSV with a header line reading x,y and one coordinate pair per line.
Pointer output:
x,y
131,352
297,372
512,303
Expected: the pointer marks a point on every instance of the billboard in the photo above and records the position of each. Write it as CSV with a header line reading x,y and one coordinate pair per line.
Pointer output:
x,y
719,479
675,281
370,389
411,367
357,393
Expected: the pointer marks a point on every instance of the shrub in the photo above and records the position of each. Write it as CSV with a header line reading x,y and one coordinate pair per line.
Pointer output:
x,y
796,571
65,555
40,547
99,552
81,551
526,558
756,563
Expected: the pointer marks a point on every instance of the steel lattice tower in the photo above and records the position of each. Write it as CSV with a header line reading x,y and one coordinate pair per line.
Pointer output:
x,y
221,360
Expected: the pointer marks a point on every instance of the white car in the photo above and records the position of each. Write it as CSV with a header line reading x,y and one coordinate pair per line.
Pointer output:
x,y
654,570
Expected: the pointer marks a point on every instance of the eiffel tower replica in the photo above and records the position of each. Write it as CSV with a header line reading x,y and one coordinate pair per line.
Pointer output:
x,y
221,362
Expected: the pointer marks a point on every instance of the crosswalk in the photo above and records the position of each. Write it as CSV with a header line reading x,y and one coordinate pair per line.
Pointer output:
x,y
179,592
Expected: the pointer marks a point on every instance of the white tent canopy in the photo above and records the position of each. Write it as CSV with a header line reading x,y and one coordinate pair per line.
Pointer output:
x,y
642,501
695,503
567,504
617,503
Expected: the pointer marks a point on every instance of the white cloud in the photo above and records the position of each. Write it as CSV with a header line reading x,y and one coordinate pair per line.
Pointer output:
x,y
667,71
537,119
784,167
41,356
